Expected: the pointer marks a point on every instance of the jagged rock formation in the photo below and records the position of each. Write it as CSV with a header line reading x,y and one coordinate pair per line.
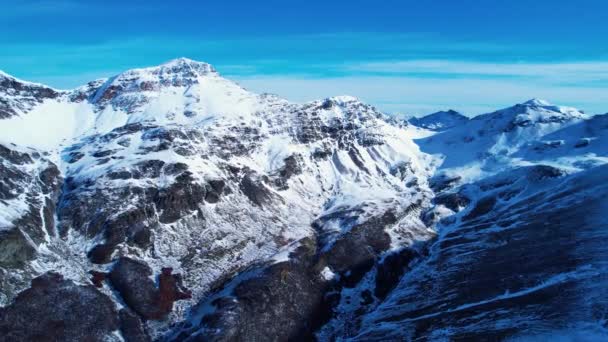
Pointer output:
x,y
192,209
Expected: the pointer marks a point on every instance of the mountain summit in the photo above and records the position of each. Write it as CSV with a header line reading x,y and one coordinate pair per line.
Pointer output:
x,y
440,121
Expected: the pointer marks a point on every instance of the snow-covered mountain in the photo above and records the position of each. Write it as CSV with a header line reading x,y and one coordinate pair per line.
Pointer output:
x,y
184,207
440,121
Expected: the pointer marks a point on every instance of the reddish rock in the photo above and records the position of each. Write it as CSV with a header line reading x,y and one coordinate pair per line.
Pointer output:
x,y
97,278
131,278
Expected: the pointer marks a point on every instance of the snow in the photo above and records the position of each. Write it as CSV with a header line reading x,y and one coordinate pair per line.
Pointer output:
x,y
492,142
328,274
353,184
537,102
47,126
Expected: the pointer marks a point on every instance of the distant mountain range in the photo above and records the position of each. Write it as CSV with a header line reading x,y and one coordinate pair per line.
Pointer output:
x,y
168,203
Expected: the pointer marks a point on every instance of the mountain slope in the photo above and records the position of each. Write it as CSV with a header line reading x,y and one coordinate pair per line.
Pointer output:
x,y
508,271
490,142
186,207
176,167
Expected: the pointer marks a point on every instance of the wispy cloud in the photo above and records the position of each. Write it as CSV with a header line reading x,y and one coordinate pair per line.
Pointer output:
x,y
415,95
580,72
386,70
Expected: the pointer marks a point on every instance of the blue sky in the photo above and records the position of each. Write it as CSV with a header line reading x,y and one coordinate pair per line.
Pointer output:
x,y
402,56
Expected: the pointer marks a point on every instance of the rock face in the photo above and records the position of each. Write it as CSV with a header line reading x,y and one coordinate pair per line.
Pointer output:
x,y
29,190
55,309
276,302
18,97
193,209
15,249
131,279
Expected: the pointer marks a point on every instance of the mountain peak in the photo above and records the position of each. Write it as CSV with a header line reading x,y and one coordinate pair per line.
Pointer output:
x,y
440,121
537,102
187,63
175,69
126,88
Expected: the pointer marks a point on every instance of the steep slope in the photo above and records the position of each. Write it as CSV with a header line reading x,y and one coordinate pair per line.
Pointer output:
x,y
524,260
440,121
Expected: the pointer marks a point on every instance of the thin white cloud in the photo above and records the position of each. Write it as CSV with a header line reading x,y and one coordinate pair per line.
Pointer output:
x,y
415,95
586,71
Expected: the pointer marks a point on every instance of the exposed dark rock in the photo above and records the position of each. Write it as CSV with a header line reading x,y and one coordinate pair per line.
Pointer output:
x,y
482,207
131,278
131,226
14,157
122,174
181,197
214,190
401,170
101,253
25,96
454,201
355,252
391,269
61,310
175,168
148,169
283,302
321,153
355,156
74,157
540,172
105,153
5,110
15,249
255,190
132,327
11,179
97,278
442,182
292,166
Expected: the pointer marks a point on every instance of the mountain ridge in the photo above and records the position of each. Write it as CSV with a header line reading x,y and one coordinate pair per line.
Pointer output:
x,y
187,207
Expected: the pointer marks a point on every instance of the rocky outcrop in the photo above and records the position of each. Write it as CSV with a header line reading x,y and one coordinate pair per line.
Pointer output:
x,y
18,97
131,278
278,302
29,189
61,310
15,249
